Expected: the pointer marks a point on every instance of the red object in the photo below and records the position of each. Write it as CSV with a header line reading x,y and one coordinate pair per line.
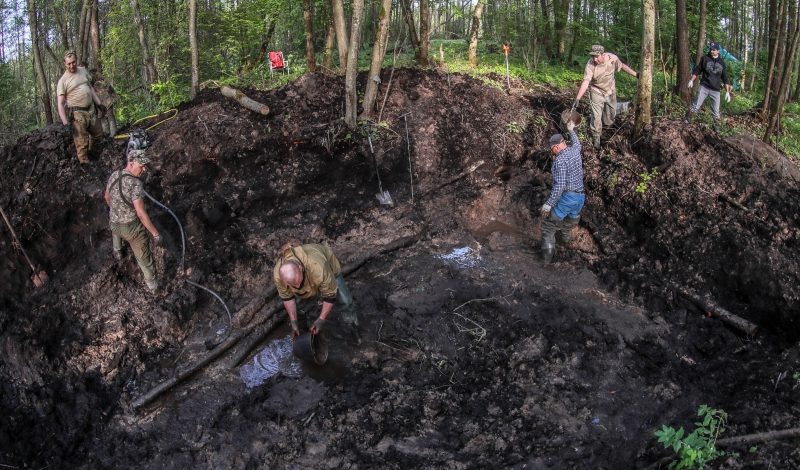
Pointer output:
x,y
506,48
276,60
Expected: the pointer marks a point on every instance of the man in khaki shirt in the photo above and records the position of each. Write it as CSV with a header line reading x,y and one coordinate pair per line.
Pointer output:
x,y
599,79
311,271
77,102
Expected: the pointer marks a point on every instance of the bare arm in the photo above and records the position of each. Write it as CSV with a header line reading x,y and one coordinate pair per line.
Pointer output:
x,y
62,111
107,197
141,212
326,310
291,309
629,70
582,90
95,98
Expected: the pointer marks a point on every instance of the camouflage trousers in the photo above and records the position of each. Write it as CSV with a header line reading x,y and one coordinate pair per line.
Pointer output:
x,y
85,127
137,237
604,111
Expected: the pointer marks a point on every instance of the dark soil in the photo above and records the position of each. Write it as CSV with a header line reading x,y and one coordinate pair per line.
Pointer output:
x,y
490,359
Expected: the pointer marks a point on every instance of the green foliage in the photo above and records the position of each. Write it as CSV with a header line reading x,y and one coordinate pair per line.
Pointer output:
x,y
514,127
696,449
645,179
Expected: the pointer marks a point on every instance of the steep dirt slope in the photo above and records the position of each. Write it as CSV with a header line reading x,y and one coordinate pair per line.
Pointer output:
x,y
474,353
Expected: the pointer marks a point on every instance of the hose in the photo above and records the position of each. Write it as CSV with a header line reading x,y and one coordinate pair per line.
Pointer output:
x,y
174,111
183,261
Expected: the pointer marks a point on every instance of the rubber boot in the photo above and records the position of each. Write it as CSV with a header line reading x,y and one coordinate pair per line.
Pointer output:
x,y
687,119
715,125
548,250
152,285
596,142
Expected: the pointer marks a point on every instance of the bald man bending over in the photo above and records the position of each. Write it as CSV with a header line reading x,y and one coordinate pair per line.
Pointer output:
x,y
311,271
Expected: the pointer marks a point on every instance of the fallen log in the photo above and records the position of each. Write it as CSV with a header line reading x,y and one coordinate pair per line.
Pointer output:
x,y
716,311
760,437
243,100
455,178
256,335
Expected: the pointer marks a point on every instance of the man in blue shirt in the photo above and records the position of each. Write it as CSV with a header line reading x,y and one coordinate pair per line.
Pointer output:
x,y
562,210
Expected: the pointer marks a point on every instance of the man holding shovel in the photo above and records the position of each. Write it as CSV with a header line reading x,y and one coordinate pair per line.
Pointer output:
x,y
562,210
311,271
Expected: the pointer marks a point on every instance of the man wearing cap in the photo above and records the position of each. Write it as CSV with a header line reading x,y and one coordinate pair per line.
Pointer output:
x,y
128,217
713,72
77,103
311,271
562,210
599,79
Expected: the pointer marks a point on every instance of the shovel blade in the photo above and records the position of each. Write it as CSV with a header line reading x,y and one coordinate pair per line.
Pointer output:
x,y
385,198
39,279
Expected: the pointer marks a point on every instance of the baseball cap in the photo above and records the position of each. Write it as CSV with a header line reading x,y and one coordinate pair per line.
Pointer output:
x,y
137,156
713,46
597,49
555,139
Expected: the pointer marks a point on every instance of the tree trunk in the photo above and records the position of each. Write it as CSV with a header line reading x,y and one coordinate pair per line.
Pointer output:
x,y
774,53
682,42
193,46
560,13
424,33
94,31
341,31
783,79
41,78
378,51
701,33
148,71
330,40
408,17
473,34
265,40
644,100
576,24
83,23
351,72
308,26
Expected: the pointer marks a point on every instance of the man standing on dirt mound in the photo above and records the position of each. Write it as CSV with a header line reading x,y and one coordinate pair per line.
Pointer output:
x,y
128,217
78,104
599,79
562,210
713,72
312,271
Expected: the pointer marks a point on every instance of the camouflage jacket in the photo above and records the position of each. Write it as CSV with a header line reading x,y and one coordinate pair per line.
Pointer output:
x,y
123,188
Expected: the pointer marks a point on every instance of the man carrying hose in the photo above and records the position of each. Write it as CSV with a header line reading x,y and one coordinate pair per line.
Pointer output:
x,y
311,271
128,217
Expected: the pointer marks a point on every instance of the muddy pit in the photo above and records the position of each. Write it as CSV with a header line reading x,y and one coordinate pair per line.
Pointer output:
x,y
473,353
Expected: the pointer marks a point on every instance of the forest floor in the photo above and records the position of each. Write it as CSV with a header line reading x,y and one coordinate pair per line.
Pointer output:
x,y
474,353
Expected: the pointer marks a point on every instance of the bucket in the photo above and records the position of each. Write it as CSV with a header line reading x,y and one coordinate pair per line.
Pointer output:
x,y
569,115
311,348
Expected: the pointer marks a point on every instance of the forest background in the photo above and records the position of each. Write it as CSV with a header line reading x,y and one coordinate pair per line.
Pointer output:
x,y
159,53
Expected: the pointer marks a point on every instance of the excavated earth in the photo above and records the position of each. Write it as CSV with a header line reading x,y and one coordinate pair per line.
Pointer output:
x,y
473,353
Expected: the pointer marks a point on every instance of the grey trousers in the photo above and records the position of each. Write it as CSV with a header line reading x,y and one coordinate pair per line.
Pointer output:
x,y
604,110
701,97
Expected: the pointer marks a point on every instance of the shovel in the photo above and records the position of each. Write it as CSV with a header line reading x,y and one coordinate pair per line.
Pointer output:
x,y
383,196
38,278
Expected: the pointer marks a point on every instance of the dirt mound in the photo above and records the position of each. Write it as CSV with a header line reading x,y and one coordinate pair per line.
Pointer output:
x,y
474,354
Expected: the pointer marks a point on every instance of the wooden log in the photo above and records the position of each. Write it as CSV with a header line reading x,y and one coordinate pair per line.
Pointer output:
x,y
760,437
257,335
455,178
243,100
714,310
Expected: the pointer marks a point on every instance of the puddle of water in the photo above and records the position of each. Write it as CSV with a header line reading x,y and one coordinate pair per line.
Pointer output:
x,y
483,232
463,257
275,358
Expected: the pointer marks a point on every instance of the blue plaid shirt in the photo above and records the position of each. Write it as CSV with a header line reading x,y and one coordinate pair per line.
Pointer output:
x,y
567,171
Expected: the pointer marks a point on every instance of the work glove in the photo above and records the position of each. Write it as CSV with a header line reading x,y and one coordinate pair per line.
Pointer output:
x,y
574,105
570,126
318,326
295,329
727,96
157,240
690,84
545,211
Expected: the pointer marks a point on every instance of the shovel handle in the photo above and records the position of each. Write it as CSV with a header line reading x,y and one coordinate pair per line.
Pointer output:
x,y
14,235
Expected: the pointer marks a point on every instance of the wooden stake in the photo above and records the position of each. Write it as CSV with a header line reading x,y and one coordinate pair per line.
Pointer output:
x,y
716,311
760,437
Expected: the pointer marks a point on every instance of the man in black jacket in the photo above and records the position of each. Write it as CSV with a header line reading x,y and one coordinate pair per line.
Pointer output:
x,y
713,72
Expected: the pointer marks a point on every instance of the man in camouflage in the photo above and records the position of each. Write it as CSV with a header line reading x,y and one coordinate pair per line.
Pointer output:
x,y
311,271
128,217
78,104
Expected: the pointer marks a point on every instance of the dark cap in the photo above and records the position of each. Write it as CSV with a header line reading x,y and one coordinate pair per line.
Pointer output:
x,y
555,139
597,49
714,46
137,156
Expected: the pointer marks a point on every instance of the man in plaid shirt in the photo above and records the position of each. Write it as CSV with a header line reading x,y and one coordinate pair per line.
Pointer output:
x,y
562,210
